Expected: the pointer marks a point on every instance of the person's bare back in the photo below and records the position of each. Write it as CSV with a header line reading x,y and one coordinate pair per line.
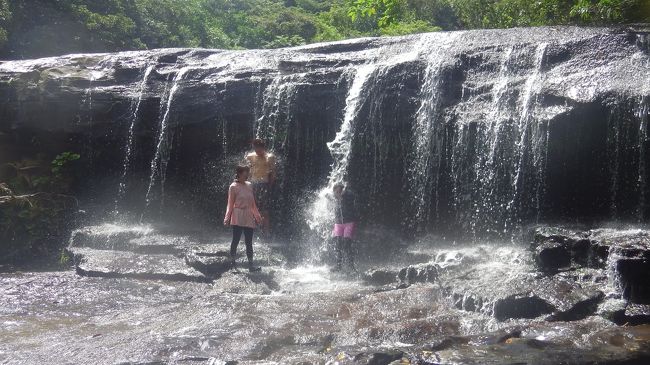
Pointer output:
x,y
262,167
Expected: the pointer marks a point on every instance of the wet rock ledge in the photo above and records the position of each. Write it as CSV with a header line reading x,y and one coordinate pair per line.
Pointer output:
x,y
144,253
558,274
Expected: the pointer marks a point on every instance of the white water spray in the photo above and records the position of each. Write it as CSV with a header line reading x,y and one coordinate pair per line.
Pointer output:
x,y
321,212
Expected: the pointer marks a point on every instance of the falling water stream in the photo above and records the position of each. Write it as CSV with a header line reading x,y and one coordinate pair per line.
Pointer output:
x,y
642,113
428,129
530,130
321,216
128,150
161,155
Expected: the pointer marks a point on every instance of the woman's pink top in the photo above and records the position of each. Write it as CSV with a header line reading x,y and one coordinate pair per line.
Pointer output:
x,y
242,210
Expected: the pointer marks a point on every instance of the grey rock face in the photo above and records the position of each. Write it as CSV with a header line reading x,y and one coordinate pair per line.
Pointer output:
x,y
478,129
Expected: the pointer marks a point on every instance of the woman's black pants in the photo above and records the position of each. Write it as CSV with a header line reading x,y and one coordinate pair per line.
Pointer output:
x,y
248,238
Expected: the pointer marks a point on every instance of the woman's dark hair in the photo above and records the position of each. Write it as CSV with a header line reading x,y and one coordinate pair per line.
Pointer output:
x,y
240,169
258,143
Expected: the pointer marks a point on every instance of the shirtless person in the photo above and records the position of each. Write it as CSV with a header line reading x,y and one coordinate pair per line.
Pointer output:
x,y
262,164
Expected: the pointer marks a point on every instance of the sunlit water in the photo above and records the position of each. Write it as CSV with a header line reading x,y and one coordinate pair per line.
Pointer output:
x,y
288,313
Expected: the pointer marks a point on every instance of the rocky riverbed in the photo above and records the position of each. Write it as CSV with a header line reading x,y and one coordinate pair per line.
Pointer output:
x,y
142,296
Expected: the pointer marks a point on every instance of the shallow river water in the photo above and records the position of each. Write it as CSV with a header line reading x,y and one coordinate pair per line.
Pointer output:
x,y
287,314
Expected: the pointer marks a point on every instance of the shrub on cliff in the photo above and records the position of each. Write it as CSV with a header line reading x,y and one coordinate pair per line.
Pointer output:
x,y
35,207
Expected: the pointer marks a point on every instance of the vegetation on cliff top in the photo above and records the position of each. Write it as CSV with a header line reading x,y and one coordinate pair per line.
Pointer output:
x,y
36,28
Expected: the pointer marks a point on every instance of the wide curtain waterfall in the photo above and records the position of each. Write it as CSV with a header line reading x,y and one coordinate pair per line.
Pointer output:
x,y
473,133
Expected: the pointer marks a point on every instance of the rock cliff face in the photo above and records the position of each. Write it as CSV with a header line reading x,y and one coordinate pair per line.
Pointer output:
x,y
466,131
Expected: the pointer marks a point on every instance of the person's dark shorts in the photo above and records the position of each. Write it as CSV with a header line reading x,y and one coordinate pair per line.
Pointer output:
x,y
262,192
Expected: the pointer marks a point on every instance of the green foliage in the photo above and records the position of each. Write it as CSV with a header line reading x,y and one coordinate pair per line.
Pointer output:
x,y
386,12
64,258
403,28
35,28
61,161
604,11
35,206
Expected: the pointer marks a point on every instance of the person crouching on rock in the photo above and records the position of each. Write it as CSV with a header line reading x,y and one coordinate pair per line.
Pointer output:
x,y
346,218
242,215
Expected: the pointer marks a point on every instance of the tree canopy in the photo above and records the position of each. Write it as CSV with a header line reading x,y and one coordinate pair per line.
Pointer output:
x,y
36,28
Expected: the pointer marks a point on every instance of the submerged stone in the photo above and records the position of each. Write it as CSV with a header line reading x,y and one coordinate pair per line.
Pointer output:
x,y
420,273
108,236
213,264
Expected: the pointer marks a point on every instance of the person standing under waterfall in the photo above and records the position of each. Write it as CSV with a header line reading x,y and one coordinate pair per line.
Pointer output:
x,y
262,164
242,215
346,216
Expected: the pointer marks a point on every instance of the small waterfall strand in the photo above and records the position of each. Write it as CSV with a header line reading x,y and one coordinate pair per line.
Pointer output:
x,y
641,113
161,155
532,138
128,150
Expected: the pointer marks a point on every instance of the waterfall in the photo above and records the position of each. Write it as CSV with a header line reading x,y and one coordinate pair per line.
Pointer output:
x,y
425,159
499,158
161,155
530,131
276,103
320,214
341,146
444,133
641,113
131,135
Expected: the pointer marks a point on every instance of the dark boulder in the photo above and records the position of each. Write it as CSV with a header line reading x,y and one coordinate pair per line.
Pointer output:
x,y
624,254
420,273
379,277
506,295
521,306
557,249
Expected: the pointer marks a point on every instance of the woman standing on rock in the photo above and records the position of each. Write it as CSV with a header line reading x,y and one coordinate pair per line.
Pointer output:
x,y
242,214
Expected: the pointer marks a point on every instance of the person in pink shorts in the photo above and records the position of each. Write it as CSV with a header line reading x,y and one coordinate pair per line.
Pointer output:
x,y
346,215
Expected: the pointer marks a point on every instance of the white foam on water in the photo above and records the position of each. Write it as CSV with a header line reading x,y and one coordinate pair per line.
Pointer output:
x,y
108,229
312,279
